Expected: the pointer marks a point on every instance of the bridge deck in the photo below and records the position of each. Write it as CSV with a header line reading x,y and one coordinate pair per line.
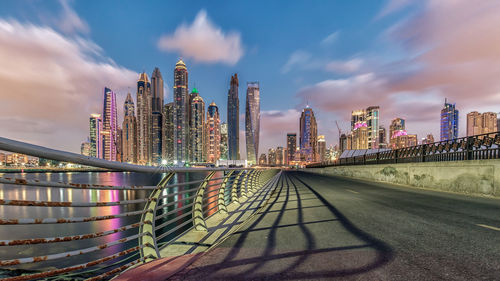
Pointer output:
x,y
317,227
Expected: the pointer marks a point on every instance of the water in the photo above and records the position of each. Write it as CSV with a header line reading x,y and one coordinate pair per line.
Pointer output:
x,y
16,192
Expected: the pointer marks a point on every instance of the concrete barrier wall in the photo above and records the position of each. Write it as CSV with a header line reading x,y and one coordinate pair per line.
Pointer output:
x,y
480,177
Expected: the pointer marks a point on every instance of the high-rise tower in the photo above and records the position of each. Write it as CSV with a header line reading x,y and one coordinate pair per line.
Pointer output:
x,y
291,146
95,135
168,132
233,119
181,118
196,127
129,131
449,122
109,125
252,121
144,107
212,138
156,115
308,136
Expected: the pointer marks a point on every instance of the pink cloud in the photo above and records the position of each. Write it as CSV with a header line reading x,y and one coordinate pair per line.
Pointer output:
x,y
51,83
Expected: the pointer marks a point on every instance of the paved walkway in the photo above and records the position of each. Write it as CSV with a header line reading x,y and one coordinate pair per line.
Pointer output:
x,y
320,228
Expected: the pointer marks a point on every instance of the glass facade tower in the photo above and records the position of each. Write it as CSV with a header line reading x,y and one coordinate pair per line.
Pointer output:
x,y
252,121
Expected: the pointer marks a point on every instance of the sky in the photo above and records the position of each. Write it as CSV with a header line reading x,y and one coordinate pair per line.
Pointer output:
x,y
335,56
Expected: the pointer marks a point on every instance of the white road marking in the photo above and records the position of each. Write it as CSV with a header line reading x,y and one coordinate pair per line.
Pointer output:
x,y
352,191
488,226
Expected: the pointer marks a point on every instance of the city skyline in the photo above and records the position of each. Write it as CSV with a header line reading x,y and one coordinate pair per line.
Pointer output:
x,y
342,78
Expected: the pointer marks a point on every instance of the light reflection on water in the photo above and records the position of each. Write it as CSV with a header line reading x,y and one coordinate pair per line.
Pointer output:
x,y
8,232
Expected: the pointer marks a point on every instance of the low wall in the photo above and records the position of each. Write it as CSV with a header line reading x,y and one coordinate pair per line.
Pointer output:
x,y
479,177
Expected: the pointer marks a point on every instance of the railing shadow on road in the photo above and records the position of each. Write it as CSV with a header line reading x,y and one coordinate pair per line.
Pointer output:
x,y
255,267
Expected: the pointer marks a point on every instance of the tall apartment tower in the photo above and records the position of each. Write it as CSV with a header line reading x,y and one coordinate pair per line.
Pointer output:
x,y
129,132
321,148
372,122
95,135
181,108
308,136
168,133
233,119
212,137
156,115
481,123
109,126
252,121
449,122
196,127
223,141
291,146
144,117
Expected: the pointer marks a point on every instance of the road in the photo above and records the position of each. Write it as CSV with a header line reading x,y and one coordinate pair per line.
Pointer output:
x,y
321,228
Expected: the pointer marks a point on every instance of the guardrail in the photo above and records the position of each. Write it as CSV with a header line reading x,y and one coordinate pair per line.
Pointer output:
x,y
171,209
483,146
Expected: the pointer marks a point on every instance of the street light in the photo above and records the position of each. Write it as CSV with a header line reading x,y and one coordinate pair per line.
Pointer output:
x,y
164,162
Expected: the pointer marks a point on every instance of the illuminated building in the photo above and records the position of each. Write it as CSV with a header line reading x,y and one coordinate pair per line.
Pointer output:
x,y
481,123
360,136
168,132
365,118
291,146
263,159
223,141
321,148
372,122
144,116
428,139
449,122
119,145
233,119
181,116
308,136
279,155
271,157
382,137
109,126
212,133
95,135
84,149
343,143
405,141
396,129
129,132
252,121
156,116
196,127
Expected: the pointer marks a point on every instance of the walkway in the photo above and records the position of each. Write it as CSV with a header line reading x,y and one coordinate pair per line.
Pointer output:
x,y
319,228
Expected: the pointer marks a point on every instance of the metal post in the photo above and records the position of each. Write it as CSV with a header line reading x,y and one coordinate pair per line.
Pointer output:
x,y
234,187
470,148
243,186
222,191
198,220
150,216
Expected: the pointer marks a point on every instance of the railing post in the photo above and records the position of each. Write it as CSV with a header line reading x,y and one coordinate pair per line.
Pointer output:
x,y
198,219
222,191
234,187
150,216
396,155
243,186
470,150
424,151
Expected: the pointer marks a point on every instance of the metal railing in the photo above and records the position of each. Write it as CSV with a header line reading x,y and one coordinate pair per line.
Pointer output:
x,y
153,221
478,147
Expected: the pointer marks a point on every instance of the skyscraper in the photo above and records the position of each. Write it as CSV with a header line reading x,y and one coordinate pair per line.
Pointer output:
x,y
109,125
212,133
233,119
168,132
321,148
129,131
144,117
156,115
196,127
252,121
308,136
449,122
396,129
481,123
279,152
95,135
372,122
489,122
291,146
382,137
119,144
223,141
181,108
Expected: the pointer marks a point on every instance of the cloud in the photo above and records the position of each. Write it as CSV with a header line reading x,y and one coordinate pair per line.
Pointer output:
x,y
297,59
330,39
51,83
348,66
204,42
393,6
69,21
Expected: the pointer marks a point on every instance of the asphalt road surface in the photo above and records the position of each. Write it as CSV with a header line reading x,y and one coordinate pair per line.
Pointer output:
x,y
321,228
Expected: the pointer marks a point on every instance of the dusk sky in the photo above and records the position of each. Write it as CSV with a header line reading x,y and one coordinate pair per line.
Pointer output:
x,y
405,56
